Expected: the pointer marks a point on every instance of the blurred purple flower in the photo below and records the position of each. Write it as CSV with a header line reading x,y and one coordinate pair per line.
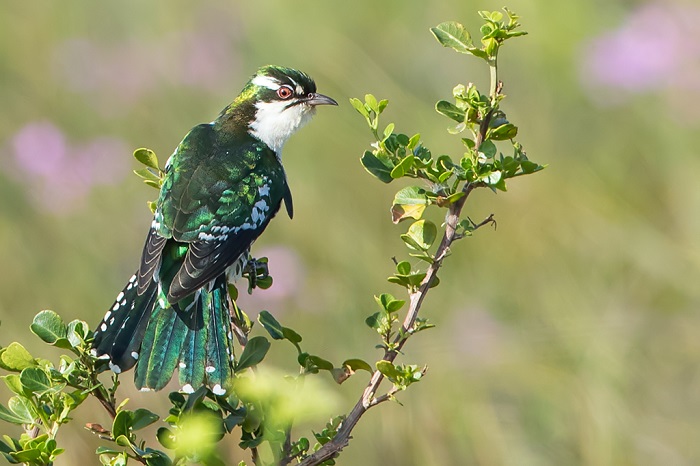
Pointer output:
x,y
40,149
655,43
59,176
205,60
288,274
202,58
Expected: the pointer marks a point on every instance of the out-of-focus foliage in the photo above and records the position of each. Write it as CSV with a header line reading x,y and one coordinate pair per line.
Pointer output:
x,y
587,357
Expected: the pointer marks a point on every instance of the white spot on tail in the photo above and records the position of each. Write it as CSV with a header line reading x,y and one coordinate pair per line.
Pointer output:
x,y
182,365
116,369
187,388
217,390
209,369
103,327
107,314
120,296
135,355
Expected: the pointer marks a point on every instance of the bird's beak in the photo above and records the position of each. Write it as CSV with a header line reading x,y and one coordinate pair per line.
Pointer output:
x,y
320,99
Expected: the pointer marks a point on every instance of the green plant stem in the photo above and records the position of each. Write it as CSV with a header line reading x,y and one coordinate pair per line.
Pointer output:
x,y
493,73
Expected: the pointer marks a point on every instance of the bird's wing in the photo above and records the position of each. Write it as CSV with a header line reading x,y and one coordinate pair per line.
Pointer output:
x,y
218,196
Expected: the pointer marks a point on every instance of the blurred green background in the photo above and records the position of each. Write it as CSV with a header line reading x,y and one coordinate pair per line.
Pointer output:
x,y
568,336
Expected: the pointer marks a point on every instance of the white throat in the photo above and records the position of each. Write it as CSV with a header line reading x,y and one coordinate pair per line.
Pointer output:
x,y
274,123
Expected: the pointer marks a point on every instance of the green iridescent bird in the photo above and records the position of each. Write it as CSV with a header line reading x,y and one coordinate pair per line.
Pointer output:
x,y
222,186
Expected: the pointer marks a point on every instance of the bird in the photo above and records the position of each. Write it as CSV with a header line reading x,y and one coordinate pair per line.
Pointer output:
x,y
221,187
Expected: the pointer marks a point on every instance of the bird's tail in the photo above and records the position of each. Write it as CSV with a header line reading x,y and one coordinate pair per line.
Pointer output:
x,y
118,337
193,335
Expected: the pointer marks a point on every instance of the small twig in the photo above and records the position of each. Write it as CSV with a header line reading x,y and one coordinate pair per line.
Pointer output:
x,y
109,406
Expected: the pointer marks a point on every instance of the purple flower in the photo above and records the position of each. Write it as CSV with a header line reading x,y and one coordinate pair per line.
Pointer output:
x,y
60,176
288,273
39,149
654,44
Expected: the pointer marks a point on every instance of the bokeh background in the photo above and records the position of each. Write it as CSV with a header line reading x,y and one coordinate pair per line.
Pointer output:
x,y
568,336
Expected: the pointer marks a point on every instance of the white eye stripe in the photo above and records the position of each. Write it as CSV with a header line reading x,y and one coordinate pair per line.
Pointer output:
x,y
266,81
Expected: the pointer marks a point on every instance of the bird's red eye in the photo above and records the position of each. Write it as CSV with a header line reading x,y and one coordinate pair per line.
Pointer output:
x,y
285,92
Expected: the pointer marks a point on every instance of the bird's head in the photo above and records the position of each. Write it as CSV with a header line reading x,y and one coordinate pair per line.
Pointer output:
x,y
277,102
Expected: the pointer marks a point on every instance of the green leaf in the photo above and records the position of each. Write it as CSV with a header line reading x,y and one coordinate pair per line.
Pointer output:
x,y
9,416
401,212
374,320
410,201
376,167
123,441
49,326
503,132
450,111
388,302
320,363
388,369
291,335
158,458
423,233
77,333
22,408
122,423
143,418
454,35
147,157
488,148
35,380
403,167
13,383
166,438
372,103
27,456
15,358
359,106
530,167
388,130
147,174
273,327
254,352
357,364
403,268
